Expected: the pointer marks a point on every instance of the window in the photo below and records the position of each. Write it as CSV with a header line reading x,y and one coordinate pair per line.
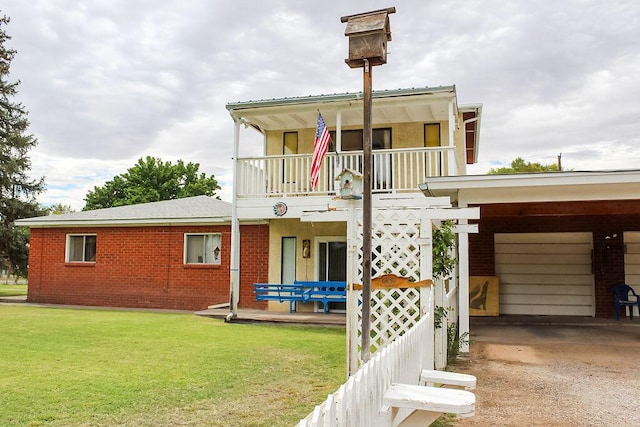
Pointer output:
x,y
81,248
288,274
202,248
432,135
352,140
289,146
290,143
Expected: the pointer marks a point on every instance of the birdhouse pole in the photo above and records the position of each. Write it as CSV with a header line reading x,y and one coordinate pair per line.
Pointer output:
x,y
368,35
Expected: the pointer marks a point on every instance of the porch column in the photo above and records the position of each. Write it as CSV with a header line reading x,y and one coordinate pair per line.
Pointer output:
x,y
452,166
338,131
463,289
234,279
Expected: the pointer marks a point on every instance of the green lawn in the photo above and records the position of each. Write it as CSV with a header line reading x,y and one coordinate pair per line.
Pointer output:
x,y
101,368
12,290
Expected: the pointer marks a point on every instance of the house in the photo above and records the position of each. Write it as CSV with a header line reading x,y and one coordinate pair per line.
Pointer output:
x,y
417,133
171,254
557,241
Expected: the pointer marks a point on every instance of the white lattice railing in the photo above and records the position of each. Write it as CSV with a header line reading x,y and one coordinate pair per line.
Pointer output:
x,y
358,401
393,170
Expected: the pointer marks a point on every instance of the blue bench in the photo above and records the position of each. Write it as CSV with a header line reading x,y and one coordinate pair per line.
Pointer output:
x,y
323,292
302,291
280,293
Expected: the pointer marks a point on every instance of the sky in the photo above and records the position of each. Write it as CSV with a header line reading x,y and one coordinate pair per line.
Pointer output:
x,y
107,82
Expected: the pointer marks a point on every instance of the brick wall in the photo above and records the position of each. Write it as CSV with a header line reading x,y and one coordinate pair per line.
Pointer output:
x,y
141,267
602,218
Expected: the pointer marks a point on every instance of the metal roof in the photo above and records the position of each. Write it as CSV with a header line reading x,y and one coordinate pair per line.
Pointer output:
x,y
337,97
389,106
189,210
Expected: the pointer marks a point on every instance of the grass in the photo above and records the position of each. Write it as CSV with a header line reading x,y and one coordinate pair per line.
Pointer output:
x,y
12,290
102,368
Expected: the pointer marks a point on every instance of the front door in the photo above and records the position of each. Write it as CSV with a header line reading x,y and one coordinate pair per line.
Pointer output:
x,y
332,265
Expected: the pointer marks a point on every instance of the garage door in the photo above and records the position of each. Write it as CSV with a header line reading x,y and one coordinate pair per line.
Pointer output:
x,y
632,261
545,273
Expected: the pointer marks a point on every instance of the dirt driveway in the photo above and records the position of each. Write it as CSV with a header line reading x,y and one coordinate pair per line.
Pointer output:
x,y
555,375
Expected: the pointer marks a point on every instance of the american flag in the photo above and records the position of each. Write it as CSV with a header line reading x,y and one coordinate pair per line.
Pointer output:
x,y
320,147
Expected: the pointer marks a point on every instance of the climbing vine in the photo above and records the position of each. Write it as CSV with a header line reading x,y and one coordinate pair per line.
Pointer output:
x,y
443,241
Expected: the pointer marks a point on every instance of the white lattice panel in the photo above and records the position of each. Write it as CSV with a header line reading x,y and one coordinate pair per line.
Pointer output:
x,y
395,246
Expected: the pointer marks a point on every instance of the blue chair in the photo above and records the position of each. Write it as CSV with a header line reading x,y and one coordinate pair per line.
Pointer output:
x,y
621,298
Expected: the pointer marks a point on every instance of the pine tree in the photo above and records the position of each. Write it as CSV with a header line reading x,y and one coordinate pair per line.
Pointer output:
x,y
17,189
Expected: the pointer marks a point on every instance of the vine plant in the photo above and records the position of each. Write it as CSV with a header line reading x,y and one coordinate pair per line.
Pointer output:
x,y
443,240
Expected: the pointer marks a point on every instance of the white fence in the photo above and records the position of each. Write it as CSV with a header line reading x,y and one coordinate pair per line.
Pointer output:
x,y
358,401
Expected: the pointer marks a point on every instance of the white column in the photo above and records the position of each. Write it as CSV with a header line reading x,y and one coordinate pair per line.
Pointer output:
x,y
463,290
339,131
352,296
452,166
234,279
427,294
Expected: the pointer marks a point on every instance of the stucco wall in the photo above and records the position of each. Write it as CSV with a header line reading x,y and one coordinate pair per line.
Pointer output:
x,y
141,267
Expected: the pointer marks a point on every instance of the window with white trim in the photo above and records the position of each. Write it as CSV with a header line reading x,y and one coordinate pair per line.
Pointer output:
x,y
202,248
81,248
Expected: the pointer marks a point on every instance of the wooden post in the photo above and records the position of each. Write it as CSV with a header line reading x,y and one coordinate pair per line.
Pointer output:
x,y
366,215
368,36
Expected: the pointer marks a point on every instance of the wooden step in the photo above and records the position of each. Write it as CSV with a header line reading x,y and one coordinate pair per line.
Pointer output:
x,y
430,399
450,379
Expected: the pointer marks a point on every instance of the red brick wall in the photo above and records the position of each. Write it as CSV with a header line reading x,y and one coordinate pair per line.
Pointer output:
x,y
139,267
601,218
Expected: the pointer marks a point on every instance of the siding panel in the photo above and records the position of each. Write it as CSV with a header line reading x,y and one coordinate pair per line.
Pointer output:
x,y
545,273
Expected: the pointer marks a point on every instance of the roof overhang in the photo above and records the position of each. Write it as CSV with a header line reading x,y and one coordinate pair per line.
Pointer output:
x,y
389,106
536,187
49,222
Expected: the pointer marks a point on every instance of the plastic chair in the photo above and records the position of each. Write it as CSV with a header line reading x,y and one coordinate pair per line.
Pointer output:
x,y
621,298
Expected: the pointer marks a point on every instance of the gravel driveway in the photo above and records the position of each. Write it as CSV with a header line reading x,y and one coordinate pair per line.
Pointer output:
x,y
555,374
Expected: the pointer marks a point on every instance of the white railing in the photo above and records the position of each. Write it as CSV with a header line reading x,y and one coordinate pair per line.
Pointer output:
x,y
393,170
358,401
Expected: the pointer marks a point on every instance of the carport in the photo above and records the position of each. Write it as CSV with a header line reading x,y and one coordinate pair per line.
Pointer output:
x,y
556,241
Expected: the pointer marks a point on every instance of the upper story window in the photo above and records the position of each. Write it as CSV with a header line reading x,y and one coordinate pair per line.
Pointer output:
x,y
432,135
352,140
81,248
290,143
202,248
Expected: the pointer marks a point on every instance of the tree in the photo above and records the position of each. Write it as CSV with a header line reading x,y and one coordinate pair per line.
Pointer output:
x,y
520,166
152,180
17,189
59,209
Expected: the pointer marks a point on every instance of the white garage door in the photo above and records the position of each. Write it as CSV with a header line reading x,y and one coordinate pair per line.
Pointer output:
x,y
632,261
545,273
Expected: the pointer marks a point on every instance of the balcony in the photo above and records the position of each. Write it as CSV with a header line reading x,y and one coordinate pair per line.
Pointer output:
x,y
394,170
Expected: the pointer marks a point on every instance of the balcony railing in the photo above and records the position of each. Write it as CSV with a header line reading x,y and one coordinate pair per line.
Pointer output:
x,y
394,170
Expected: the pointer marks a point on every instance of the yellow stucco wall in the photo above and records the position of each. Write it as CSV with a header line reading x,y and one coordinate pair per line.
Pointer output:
x,y
403,135
305,267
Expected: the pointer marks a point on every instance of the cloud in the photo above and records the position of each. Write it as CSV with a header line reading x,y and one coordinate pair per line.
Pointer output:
x,y
107,82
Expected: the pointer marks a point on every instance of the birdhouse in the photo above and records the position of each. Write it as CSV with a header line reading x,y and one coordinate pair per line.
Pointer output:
x,y
368,36
350,184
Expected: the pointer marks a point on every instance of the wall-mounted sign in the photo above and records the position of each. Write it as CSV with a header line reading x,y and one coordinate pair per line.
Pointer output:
x,y
280,209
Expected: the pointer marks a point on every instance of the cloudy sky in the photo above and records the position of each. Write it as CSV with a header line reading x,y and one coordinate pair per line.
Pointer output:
x,y
109,81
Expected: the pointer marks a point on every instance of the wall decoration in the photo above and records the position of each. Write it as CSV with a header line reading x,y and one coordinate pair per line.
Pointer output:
x,y
279,209
306,248
484,296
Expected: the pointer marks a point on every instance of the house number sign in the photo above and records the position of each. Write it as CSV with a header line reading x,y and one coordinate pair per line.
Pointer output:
x,y
280,209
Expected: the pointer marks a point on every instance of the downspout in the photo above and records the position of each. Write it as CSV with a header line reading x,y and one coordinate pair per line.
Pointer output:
x,y
234,279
